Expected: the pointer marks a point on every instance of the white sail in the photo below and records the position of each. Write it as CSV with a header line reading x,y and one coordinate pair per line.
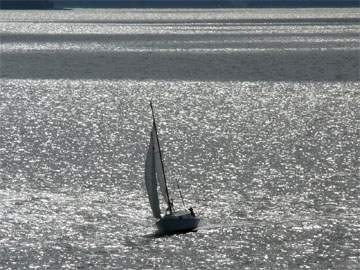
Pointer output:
x,y
159,167
150,179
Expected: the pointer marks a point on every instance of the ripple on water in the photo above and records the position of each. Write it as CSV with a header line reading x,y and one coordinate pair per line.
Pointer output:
x,y
270,168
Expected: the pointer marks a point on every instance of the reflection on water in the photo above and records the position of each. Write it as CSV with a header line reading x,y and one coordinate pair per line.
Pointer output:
x,y
265,145
226,45
270,167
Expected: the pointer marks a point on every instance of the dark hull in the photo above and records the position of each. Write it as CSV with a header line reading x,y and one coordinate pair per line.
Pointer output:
x,y
172,224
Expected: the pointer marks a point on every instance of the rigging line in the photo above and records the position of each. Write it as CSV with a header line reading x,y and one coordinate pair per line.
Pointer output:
x,y
181,196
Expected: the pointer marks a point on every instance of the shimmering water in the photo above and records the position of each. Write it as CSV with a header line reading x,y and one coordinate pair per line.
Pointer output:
x,y
259,120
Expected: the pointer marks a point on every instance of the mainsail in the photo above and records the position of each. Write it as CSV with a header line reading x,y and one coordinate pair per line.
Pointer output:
x,y
150,179
160,174
154,173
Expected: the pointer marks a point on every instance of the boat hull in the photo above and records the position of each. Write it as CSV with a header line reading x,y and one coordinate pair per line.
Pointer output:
x,y
171,224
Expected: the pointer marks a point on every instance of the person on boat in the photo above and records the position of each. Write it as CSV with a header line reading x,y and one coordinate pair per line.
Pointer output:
x,y
192,211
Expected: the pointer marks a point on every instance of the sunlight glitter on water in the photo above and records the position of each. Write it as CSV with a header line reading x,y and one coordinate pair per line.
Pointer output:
x,y
261,200
264,144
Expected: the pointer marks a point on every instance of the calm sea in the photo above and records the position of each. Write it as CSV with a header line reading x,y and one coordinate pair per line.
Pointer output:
x,y
259,121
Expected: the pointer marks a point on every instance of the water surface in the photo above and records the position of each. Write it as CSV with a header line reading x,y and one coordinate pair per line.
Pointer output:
x,y
258,116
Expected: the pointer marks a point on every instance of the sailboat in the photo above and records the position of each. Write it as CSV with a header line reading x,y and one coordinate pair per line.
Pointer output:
x,y
171,221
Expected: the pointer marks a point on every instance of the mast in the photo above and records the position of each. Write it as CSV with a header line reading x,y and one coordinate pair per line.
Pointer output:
x,y
161,159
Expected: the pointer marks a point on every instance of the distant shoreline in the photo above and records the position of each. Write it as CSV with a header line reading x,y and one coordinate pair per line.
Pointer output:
x,y
56,4
22,4
209,3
